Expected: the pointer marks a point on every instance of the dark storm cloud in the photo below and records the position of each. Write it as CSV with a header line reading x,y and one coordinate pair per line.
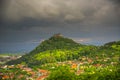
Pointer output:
x,y
86,14
27,24
115,1
81,11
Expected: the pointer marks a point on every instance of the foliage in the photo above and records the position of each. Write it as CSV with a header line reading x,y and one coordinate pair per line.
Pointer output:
x,y
59,49
13,73
62,73
106,73
54,42
91,73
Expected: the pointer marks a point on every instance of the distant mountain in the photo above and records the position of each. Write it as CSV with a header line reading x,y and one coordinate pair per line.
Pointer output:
x,y
113,45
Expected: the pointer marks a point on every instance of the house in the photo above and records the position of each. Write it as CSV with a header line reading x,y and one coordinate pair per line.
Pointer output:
x,y
74,66
5,77
89,60
42,74
58,35
41,77
79,72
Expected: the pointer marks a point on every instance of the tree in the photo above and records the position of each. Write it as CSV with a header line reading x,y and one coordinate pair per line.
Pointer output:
x,y
62,73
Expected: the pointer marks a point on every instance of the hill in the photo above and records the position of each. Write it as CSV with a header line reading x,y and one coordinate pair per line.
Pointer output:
x,y
57,41
112,45
56,48
63,56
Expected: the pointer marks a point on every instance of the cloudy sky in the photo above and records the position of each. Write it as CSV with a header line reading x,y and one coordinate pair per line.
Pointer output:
x,y
25,23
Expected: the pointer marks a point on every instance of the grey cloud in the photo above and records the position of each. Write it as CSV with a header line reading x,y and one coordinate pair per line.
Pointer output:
x,y
115,1
83,15
80,11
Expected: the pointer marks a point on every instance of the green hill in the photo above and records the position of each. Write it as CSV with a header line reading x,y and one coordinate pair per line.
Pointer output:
x,y
113,45
56,48
59,55
57,41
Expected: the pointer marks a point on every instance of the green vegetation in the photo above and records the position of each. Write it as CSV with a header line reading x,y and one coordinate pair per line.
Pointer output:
x,y
54,54
90,73
59,49
13,74
55,42
62,73
46,49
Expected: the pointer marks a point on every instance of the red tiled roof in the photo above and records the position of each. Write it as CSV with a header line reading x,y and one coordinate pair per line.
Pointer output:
x,y
41,78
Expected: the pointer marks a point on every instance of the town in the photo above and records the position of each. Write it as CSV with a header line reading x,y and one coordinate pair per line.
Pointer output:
x,y
80,66
4,58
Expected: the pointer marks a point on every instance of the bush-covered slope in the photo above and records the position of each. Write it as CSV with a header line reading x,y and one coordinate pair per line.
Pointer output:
x,y
112,45
57,49
54,45
55,42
